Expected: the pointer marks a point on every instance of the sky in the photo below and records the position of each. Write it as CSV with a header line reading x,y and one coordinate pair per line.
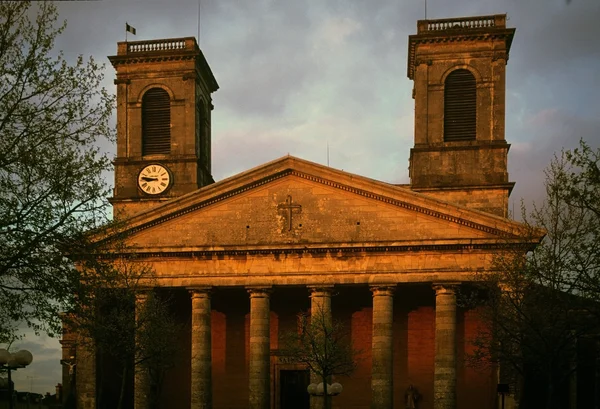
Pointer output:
x,y
297,76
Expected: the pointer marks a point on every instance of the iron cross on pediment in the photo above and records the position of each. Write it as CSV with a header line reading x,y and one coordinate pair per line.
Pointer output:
x,y
289,206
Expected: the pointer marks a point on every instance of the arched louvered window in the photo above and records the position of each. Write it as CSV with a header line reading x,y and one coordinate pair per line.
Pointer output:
x,y
460,106
156,122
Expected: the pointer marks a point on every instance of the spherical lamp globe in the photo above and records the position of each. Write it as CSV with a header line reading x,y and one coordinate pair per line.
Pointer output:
x,y
336,388
23,357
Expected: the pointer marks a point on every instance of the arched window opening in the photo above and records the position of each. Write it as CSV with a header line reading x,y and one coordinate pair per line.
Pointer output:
x,y
156,122
460,106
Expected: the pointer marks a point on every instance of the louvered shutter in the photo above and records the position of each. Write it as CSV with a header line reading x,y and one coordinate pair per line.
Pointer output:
x,y
156,122
460,106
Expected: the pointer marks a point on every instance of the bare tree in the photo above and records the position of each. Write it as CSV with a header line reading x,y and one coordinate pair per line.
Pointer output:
x,y
323,345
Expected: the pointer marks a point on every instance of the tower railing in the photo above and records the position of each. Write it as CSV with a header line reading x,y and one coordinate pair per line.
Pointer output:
x,y
151,46
462,23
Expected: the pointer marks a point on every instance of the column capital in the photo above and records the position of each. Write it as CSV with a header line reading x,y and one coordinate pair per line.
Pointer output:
x,y
142,294
259,292
201,292
383,289
320,290
445,288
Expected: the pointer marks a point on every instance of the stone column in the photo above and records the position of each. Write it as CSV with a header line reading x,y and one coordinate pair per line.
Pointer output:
x,y
444,378
141,386
260,349
320,308
201,358
382,377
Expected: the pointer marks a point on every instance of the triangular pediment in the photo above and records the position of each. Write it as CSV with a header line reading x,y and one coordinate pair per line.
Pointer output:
x,y
293,202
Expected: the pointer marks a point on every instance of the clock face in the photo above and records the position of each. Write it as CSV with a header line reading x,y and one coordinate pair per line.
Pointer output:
x,y
154,179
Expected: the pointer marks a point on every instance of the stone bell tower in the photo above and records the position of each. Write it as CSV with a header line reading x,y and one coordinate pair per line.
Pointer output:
x,y
458,66
163,122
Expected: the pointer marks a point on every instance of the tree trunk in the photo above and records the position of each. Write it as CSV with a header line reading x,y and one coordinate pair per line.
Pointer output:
x,y
99,381
122,393
326,397
549,393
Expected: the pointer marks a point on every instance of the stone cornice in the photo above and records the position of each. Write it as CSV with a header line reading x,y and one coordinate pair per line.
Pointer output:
x,y
148,58
320,251
453,36
165,50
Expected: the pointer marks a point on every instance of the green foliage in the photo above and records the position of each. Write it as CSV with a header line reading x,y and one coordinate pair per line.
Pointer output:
x,y
53,116
540,304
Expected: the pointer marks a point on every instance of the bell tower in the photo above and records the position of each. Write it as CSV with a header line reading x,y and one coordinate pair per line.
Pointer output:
x,y
164,109
458,67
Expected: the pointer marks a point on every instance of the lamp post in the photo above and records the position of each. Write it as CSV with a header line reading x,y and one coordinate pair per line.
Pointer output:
x,y
319,390
12,362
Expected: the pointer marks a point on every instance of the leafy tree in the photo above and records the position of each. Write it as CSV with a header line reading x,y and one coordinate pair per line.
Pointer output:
x,y
541,303
322,345
53,117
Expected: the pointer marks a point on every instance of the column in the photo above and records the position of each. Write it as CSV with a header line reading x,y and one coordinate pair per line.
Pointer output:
x,y
320,308
382,387
444,377
201,358
260,355
141,386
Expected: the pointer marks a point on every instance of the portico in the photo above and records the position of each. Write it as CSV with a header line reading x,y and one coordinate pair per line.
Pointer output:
x,y
261,358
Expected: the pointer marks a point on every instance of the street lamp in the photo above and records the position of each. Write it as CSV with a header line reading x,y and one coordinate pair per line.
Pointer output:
x,y
319,390
12,362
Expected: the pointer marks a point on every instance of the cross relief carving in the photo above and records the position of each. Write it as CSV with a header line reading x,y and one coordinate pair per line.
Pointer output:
x,y
289,207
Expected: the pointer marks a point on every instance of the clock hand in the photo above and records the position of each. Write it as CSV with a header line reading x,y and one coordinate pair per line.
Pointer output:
x,y
147,179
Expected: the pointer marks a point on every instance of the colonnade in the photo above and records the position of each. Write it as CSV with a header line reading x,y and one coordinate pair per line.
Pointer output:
x,y
259,383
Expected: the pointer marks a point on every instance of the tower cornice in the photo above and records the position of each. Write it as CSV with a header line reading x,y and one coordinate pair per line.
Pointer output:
x,y
460,29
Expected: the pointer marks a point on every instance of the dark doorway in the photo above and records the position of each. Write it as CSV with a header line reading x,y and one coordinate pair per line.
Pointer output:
x,y
293,389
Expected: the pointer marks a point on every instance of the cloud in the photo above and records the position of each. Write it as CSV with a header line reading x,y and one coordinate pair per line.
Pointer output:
x,y
550,132
334,32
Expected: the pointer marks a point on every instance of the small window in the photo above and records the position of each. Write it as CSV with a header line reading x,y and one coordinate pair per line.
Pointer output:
x,y
460,106
156,122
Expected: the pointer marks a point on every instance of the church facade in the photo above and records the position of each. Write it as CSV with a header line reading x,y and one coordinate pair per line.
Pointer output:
x,y
241,257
